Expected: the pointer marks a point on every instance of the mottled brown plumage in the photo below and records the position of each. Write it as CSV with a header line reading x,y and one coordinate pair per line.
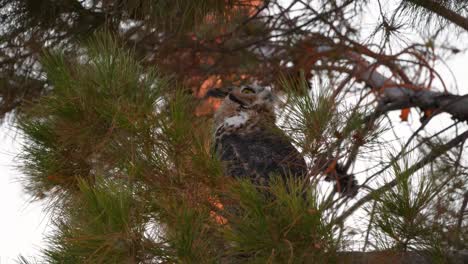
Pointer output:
x,y
251,146
247,140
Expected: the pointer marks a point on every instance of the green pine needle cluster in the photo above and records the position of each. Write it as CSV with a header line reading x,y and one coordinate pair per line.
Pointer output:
x,y
402,213
324,124
421,15
406,218
282,225
106,225
94,122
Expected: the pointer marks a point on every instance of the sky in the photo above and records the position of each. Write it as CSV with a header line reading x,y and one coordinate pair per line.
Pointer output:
x,y
23,224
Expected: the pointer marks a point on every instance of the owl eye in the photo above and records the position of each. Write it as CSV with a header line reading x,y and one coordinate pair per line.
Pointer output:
x,y
248,90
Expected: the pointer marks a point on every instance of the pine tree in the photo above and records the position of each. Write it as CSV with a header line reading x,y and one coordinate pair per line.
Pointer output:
x,y
110,96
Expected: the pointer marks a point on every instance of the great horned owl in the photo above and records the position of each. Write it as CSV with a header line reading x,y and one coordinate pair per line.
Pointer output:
x,y
247,140
250,145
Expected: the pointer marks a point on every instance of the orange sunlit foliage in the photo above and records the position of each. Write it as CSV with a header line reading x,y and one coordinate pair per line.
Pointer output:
x,y
250,5
404,114
428,113
216,217
209,105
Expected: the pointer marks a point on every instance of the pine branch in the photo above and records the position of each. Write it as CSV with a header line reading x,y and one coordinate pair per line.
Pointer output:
x,y
433,155
394,96
461,213
443,11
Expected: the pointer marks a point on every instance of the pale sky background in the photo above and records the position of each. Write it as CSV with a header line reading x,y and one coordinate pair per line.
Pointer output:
x,y
23,224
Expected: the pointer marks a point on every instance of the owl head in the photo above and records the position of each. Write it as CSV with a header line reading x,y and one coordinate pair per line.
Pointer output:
x,y
253,99
244,96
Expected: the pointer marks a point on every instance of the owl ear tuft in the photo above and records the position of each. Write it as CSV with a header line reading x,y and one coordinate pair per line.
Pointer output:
x,y
219,92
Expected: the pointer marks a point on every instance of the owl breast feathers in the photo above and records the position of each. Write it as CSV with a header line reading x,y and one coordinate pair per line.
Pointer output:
x,y
249,143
